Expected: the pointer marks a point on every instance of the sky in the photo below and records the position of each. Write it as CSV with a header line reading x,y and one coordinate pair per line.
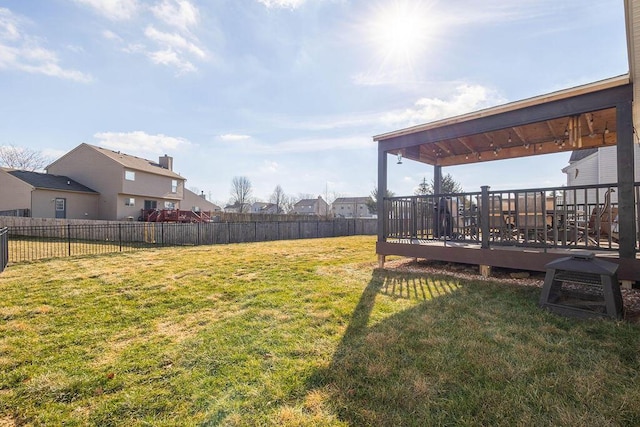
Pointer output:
x,y
291,92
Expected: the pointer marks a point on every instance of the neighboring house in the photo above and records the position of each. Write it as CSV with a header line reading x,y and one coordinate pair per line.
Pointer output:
x,y
264,208
46,196
197,203
238,208
316,207
127,184
256,207
596,166
352,207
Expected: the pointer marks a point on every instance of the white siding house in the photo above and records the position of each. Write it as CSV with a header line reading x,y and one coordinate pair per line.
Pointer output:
x,y
595,166
352,207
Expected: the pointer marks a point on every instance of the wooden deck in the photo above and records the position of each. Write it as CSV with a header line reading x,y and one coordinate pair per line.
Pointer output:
x,y
513,257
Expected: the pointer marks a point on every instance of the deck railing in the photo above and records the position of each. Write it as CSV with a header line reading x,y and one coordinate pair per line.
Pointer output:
x,y
583,217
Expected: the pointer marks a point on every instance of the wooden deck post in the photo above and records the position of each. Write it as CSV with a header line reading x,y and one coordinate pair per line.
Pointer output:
x,y
485,270
625,164
382,192
381,259
437,179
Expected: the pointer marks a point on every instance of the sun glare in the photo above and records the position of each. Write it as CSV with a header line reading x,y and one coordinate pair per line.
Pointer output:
x,y
402,31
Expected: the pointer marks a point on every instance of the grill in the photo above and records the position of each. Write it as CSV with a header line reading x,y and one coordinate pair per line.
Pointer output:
x,y
582,286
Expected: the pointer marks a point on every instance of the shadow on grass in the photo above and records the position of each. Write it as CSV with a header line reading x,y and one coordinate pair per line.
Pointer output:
x,y
474,353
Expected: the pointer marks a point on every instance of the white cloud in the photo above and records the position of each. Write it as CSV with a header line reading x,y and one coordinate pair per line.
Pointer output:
x,y
176,48
173,41
141,142
177,13
234,137
9,25
170,57
289,4
20,51
269,166
115,10
467,98
110,35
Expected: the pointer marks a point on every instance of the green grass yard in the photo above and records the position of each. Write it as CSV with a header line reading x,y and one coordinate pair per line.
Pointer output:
x,y
297,333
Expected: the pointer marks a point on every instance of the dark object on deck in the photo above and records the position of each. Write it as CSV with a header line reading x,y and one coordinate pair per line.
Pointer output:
x,y
582,286
444,227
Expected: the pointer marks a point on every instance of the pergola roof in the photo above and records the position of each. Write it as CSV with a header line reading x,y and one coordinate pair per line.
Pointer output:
x,y
573,119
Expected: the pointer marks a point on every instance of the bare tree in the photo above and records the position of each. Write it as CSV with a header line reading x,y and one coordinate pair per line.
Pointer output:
x,y
240,192
279,198
22,158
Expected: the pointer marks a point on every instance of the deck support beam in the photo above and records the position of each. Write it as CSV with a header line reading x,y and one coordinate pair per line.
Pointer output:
x,y
382,192
437,179
625,158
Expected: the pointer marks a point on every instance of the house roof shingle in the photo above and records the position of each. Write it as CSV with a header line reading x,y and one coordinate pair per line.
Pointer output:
x,y
351,200
137,163
50,182
581,154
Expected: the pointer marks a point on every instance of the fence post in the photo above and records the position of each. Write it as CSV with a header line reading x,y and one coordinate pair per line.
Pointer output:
x,y
120,235
198,234
414,218
69,238
484,216
4,248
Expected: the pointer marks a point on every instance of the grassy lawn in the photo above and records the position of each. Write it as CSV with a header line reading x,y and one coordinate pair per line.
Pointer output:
x,y
297,333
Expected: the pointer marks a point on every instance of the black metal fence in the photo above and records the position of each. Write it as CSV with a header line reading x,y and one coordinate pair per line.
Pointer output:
x,y
4,248
27,243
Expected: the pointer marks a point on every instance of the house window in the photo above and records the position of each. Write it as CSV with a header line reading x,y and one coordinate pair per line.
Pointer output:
x,y
150,204
169,205
129,201
130,175
174,185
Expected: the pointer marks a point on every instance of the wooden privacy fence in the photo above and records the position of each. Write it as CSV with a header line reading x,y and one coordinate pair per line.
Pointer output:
x,y
28,243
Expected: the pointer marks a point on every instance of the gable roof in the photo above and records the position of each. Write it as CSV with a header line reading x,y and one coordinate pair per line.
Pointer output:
x,y
50,182
308,202
351,200
137,163
581,154
130,162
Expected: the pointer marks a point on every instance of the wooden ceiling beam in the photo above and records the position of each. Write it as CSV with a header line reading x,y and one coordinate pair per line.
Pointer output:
x,y
526,150
518,131
465,142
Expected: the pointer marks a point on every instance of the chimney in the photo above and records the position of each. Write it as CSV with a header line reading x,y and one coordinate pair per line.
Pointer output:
x,y
166,162
203,196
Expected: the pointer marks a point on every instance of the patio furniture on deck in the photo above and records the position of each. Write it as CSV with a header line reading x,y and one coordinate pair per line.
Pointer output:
x,y
500,228
531,217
